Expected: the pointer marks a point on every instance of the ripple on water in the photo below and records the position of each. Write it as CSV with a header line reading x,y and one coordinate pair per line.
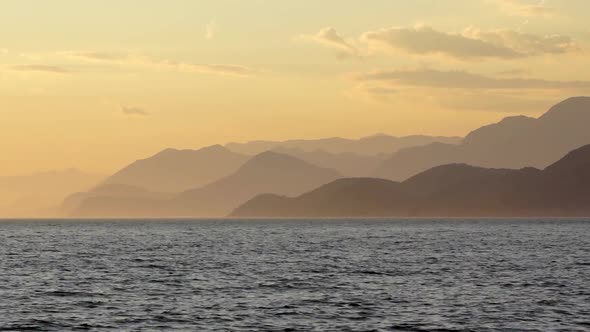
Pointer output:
x,y
338,275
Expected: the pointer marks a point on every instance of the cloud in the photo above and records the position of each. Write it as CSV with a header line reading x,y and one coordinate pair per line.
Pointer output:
x,y
525,43
329,37
130,60
370,93
426,40
233,70
380,90
472,43
134,111
513,72
526,8
210,29
493,102
463,80
138,60
41,69
96,56
450,98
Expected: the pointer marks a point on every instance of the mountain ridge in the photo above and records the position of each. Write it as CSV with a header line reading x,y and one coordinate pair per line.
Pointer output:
x,y
454,190
265,172
514,142
369,145
173,170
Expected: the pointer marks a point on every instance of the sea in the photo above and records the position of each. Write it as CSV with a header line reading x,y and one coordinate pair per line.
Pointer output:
x,y
295,275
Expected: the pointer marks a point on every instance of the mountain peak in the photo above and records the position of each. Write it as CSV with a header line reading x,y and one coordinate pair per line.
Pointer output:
x,y
173,170
272,159
516,118
506,127
271,156
214,148
576,159
448,173
217,148
573,105
166,152
271,162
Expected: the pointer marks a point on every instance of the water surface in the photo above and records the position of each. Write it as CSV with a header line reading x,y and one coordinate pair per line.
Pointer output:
x,y
297,275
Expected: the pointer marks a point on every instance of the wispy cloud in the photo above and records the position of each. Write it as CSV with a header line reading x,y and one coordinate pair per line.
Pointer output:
x,y
210,29
41,69
426,40
463,80
513,72
493,101
488,95
471,43
526,8
134,111
525,44
139,60
96,56
232,70
329,37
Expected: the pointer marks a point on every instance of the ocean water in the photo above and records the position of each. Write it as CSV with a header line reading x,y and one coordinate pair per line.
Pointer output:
x,y
295,275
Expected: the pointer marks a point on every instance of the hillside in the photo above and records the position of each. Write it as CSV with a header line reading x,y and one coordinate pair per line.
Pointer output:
x,y
174,170
514,142
562,189
268,172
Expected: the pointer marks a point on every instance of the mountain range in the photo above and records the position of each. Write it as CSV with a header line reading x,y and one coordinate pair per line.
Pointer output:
x,y
211,181
266,172
174,170
370,145
113,191
349,164
454,190
214,180
514,142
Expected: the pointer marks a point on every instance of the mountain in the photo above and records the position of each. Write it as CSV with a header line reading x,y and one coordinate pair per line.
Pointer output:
x,y
268,172
348,197
178,170
454,190
37,195
371,145
347,163
514,142
91,201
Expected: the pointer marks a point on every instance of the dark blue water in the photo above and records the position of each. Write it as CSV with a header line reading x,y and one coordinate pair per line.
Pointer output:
x,y
305,275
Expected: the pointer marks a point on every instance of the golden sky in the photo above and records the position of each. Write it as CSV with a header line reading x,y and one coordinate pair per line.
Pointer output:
x,y
97,84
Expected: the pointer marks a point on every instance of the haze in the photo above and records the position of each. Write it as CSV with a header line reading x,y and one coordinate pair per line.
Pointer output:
x,y
96,85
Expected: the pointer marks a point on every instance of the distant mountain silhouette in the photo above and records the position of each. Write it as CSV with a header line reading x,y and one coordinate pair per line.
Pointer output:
x,y
371,145
561,189
347,163
39,195
178,170
268,172
86,203
514,142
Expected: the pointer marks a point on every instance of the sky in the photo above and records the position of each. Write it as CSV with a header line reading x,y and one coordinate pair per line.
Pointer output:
x,y
95,85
